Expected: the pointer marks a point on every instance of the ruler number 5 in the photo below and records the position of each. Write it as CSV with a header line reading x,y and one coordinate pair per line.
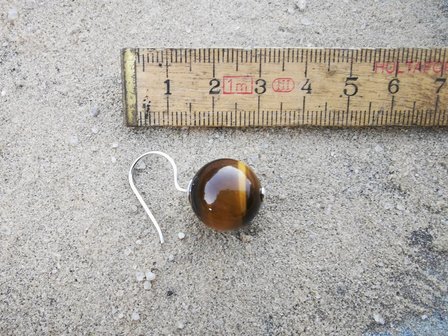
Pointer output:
x,y
353,85
442,81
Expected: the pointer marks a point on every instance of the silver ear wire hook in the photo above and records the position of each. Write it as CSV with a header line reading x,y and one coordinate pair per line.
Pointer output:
x,y
140,198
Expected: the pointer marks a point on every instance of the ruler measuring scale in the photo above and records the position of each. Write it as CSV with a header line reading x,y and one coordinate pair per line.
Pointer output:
x,y
229,87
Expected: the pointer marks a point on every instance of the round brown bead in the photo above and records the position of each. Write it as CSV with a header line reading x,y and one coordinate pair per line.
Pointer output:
x,y
225,194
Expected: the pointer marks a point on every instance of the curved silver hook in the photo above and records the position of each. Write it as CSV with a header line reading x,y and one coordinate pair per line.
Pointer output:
x,y
140,198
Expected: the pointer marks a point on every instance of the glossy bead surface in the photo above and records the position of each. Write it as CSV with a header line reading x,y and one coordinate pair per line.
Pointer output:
x,y
225,194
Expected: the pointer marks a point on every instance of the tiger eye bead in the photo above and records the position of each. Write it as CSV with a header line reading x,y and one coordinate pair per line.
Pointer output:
x,y
225,194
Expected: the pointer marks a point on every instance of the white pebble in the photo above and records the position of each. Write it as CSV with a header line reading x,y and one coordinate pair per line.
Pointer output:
x,y
290,10
400,207
120,316
305,21
378,149
115,145
387,206
94,111
135,316
150,276
138,242
113,159
378,318
181,235
140,276
73,140
134,208
4,230
424,317
12,14
95,130
180,325
301,5
147,285
170,257
140,165
3,93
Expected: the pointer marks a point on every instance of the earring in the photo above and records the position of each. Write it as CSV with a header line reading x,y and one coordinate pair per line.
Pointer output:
x,y
225,194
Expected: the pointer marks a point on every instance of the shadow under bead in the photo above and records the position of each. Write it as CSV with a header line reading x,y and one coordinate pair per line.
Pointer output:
x,y
225,194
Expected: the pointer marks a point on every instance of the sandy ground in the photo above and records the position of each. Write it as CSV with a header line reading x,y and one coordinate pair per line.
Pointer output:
x,y
352,238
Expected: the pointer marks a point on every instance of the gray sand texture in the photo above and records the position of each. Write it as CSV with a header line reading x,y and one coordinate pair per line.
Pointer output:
x,y
352,238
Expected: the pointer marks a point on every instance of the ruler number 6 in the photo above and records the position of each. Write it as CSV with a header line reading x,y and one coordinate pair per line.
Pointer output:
x,y
393,86
353,85
442,81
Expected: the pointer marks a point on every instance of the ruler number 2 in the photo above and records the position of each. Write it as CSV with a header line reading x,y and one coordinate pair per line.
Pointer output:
x,y
214,83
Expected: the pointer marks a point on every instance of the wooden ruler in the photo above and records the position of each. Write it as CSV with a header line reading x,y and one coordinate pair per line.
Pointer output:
x,y
285,87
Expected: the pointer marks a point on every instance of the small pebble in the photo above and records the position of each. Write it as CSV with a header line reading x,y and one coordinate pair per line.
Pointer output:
x,y
301,5
181,235
305,21
140,165
135,316
4,230
378,149
73,140
378,318
147,285
140,276
134,208
387,206
113,159
290,10
180,325
150,276
95,130
94,112
115,145
424,317
3,93
171,257
12,14
400,207
120,316
138,242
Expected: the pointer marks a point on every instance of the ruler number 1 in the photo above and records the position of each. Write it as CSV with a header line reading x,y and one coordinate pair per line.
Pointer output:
x,y
442,81
167,86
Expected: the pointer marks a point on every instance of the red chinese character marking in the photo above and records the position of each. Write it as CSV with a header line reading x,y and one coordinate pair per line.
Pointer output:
x,y
283,85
